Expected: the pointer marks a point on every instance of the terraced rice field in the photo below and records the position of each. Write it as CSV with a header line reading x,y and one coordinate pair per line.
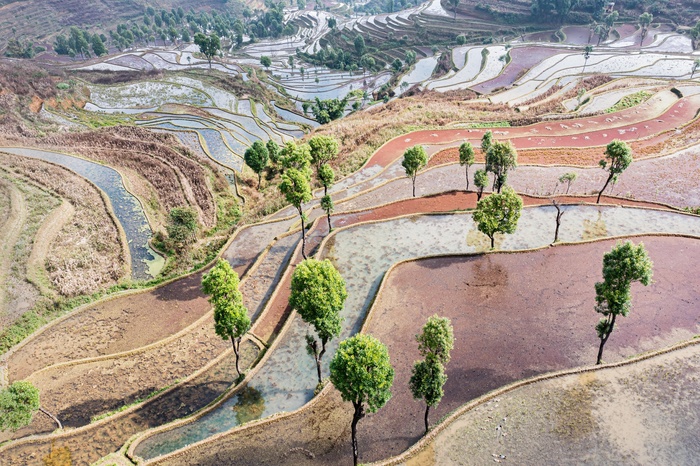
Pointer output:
x,y
168,343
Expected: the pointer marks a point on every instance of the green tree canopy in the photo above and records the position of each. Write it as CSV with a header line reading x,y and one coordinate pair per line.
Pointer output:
x,y
18,403
486,141
231,319
297,156
427,381
265,61
323,149
209,45
436,339
362,373
256,157
359,45
414,159
645,20
481,180
435,342
501,157
618,156
273,151
466,158
498,213
624,264
296,188
318,295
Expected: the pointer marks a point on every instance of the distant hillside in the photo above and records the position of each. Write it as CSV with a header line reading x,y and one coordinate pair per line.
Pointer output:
x,y
41,20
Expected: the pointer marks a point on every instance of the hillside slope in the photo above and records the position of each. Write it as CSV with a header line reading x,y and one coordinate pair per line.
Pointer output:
x,y
43,19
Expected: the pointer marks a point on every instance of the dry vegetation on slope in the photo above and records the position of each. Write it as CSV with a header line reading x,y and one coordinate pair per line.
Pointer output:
x,y
87,252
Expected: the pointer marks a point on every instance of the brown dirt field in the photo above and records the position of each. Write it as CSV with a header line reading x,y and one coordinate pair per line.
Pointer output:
x,y
78,392
549,326
93,442
124,323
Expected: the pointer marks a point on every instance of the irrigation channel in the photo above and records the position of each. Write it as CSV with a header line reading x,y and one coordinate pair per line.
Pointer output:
x,y
363,253
145,262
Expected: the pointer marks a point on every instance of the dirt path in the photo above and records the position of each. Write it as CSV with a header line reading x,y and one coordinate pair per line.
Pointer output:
x,y
42,242
9,232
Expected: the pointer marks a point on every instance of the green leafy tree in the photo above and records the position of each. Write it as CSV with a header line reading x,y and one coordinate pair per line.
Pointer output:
x,y
500,157
297,156
624,264
435,343
318,295
486,141
328,207
362,373
265,61
466,158
182,227
481,180
327,176
427,381
296,188
231,319
209,45
455,4
273,151
396,65
98,47
360,45
328,110
323,150
645,20
498,213
619,157
256,157
414,159
568,178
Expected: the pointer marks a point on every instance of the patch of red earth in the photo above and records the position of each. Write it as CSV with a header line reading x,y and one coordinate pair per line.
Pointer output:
x,y
271,322
578,157
522,58
579,133
516,316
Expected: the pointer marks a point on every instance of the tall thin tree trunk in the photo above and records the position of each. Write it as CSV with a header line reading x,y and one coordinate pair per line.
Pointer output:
x,y
235,351
493,242
559,214
427,410
414,185
55,419
478,195
604,340
601,191
467,175
359,414
303,233
259,180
